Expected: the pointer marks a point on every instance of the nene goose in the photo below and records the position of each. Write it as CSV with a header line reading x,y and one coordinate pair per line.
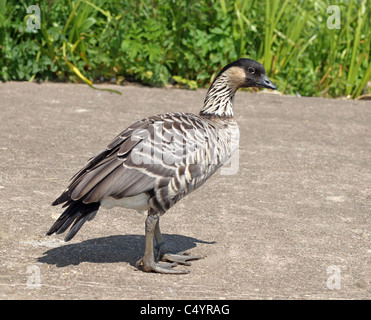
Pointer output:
x,y
157,161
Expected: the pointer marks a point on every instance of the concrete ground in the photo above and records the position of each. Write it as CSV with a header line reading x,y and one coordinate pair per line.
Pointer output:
x,y
293,223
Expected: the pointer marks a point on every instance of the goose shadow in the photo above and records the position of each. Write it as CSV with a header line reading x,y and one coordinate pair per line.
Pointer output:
x,y
120,248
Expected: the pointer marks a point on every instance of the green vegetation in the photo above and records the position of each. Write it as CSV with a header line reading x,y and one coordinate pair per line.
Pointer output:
x,y
188,41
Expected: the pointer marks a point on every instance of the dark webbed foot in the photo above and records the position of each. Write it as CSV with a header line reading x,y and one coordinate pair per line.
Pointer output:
x,y
181,257
148,262
160,267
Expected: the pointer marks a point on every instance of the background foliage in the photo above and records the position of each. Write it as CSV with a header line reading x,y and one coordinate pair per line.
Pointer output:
x,y
188,41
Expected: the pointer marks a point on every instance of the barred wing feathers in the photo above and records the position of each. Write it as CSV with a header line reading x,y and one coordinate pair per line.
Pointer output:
x,y
165,156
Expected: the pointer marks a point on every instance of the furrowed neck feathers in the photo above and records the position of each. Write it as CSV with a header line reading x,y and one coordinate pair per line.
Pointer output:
x,y
220,96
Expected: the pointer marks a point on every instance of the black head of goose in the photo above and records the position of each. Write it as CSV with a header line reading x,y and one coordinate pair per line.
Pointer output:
x,y
157,161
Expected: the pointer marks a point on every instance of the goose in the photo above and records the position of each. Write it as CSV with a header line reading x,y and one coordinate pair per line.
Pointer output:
x,y
157,161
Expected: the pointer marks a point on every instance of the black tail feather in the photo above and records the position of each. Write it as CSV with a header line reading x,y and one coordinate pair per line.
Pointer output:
x,y
76,227
65,196
77,213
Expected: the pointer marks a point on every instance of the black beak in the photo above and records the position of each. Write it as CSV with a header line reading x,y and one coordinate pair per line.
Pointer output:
x,y
266,83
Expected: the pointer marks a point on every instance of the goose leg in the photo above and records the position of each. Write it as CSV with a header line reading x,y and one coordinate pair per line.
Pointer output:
x,y
164,253
148,261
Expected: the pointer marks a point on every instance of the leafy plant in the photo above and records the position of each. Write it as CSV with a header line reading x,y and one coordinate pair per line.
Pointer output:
x,y
155,41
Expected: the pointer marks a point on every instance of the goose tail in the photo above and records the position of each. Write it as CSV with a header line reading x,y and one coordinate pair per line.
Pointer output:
x,y
76,214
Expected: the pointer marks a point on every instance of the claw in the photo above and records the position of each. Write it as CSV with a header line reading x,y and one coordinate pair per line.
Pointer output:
x,y
139,263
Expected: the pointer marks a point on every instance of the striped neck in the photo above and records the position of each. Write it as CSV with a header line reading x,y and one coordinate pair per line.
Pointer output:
x,y
219,98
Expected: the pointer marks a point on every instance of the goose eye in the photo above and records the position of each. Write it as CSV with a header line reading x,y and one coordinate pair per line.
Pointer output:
x,y
251,70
